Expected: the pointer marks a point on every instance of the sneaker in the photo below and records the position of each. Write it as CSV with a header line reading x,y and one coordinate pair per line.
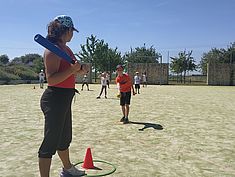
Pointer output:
x,y
126,121
122,119
105,97
98,97
73,171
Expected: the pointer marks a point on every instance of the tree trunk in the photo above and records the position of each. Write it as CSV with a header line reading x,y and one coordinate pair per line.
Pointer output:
x,y
184,76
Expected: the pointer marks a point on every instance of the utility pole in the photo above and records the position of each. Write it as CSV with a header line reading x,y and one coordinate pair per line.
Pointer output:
x,y
168,56
160,56
231,68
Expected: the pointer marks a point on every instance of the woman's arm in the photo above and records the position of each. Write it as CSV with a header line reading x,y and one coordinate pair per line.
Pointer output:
x,y
52,64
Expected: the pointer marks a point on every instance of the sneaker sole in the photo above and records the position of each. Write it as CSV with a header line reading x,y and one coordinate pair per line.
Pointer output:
x,y
65,174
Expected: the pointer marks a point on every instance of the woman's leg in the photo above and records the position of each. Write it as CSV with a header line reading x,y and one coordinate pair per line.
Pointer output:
x,y
44,166
64,156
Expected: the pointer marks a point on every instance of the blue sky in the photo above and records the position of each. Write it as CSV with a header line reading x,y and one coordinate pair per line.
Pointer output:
x,y
168,25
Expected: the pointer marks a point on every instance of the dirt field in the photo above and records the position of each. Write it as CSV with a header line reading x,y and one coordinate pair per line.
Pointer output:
x,y
183,131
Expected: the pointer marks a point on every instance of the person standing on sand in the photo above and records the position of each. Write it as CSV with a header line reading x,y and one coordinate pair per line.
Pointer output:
x,y
103,81
144,79
125,86
137,80
57,98
41,76
85,82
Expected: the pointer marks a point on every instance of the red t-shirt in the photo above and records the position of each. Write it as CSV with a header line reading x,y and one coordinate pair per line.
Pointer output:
x,y
70,81
125,83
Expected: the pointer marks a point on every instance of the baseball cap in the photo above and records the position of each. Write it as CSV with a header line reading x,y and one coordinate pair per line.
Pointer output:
x,y
65,21
119,66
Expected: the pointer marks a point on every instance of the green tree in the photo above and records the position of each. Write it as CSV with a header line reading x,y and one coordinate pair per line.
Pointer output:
x,y
115,58
142,55
214,55
23,71
176,67
4,59
7,76
229,54
87,52
101,55
183,64
33,60
98,52
25,67
217,56
38,64
107,58
27,59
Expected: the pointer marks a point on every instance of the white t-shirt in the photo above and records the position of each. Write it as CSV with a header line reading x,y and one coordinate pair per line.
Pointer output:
x,y
41,76
103,81
85,79
137,79
144,78
107,77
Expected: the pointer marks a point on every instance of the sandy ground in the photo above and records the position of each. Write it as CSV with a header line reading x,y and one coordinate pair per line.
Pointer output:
x,y
175,131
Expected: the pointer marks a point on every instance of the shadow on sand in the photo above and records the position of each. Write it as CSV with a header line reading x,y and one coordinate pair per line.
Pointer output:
x,y
147,125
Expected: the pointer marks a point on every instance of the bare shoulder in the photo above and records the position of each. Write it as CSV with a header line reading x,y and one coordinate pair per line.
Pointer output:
x,y
50,57
49,54
51,61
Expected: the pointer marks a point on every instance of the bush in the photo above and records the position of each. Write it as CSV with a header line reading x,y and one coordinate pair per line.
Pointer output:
x,y
17,71
7,76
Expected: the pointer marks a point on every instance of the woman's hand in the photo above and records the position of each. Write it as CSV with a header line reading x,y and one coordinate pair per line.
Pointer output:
x,y
76,67
84,69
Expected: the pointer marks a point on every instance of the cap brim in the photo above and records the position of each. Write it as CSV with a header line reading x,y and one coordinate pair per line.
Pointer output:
x,y
74,29
119,66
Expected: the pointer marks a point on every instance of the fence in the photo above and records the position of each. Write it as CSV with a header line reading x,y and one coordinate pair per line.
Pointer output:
x,y
156,73
220,74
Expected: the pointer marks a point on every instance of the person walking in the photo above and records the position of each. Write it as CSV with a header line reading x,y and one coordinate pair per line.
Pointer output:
x,y
125,85
57,98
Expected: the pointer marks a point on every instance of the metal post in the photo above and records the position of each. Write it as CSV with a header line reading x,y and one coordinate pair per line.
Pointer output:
x,y
160,69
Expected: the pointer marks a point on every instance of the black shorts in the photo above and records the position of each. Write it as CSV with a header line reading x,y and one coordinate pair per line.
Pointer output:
x,y
56,107
137,86
125,98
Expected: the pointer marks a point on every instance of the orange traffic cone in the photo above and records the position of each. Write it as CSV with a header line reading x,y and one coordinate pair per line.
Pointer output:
x,y
88,161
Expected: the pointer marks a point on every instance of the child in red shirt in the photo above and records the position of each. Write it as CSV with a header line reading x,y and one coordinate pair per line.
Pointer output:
x,y
125,86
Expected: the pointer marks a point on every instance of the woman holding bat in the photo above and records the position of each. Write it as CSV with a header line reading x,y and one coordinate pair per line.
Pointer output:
x,y
57,98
